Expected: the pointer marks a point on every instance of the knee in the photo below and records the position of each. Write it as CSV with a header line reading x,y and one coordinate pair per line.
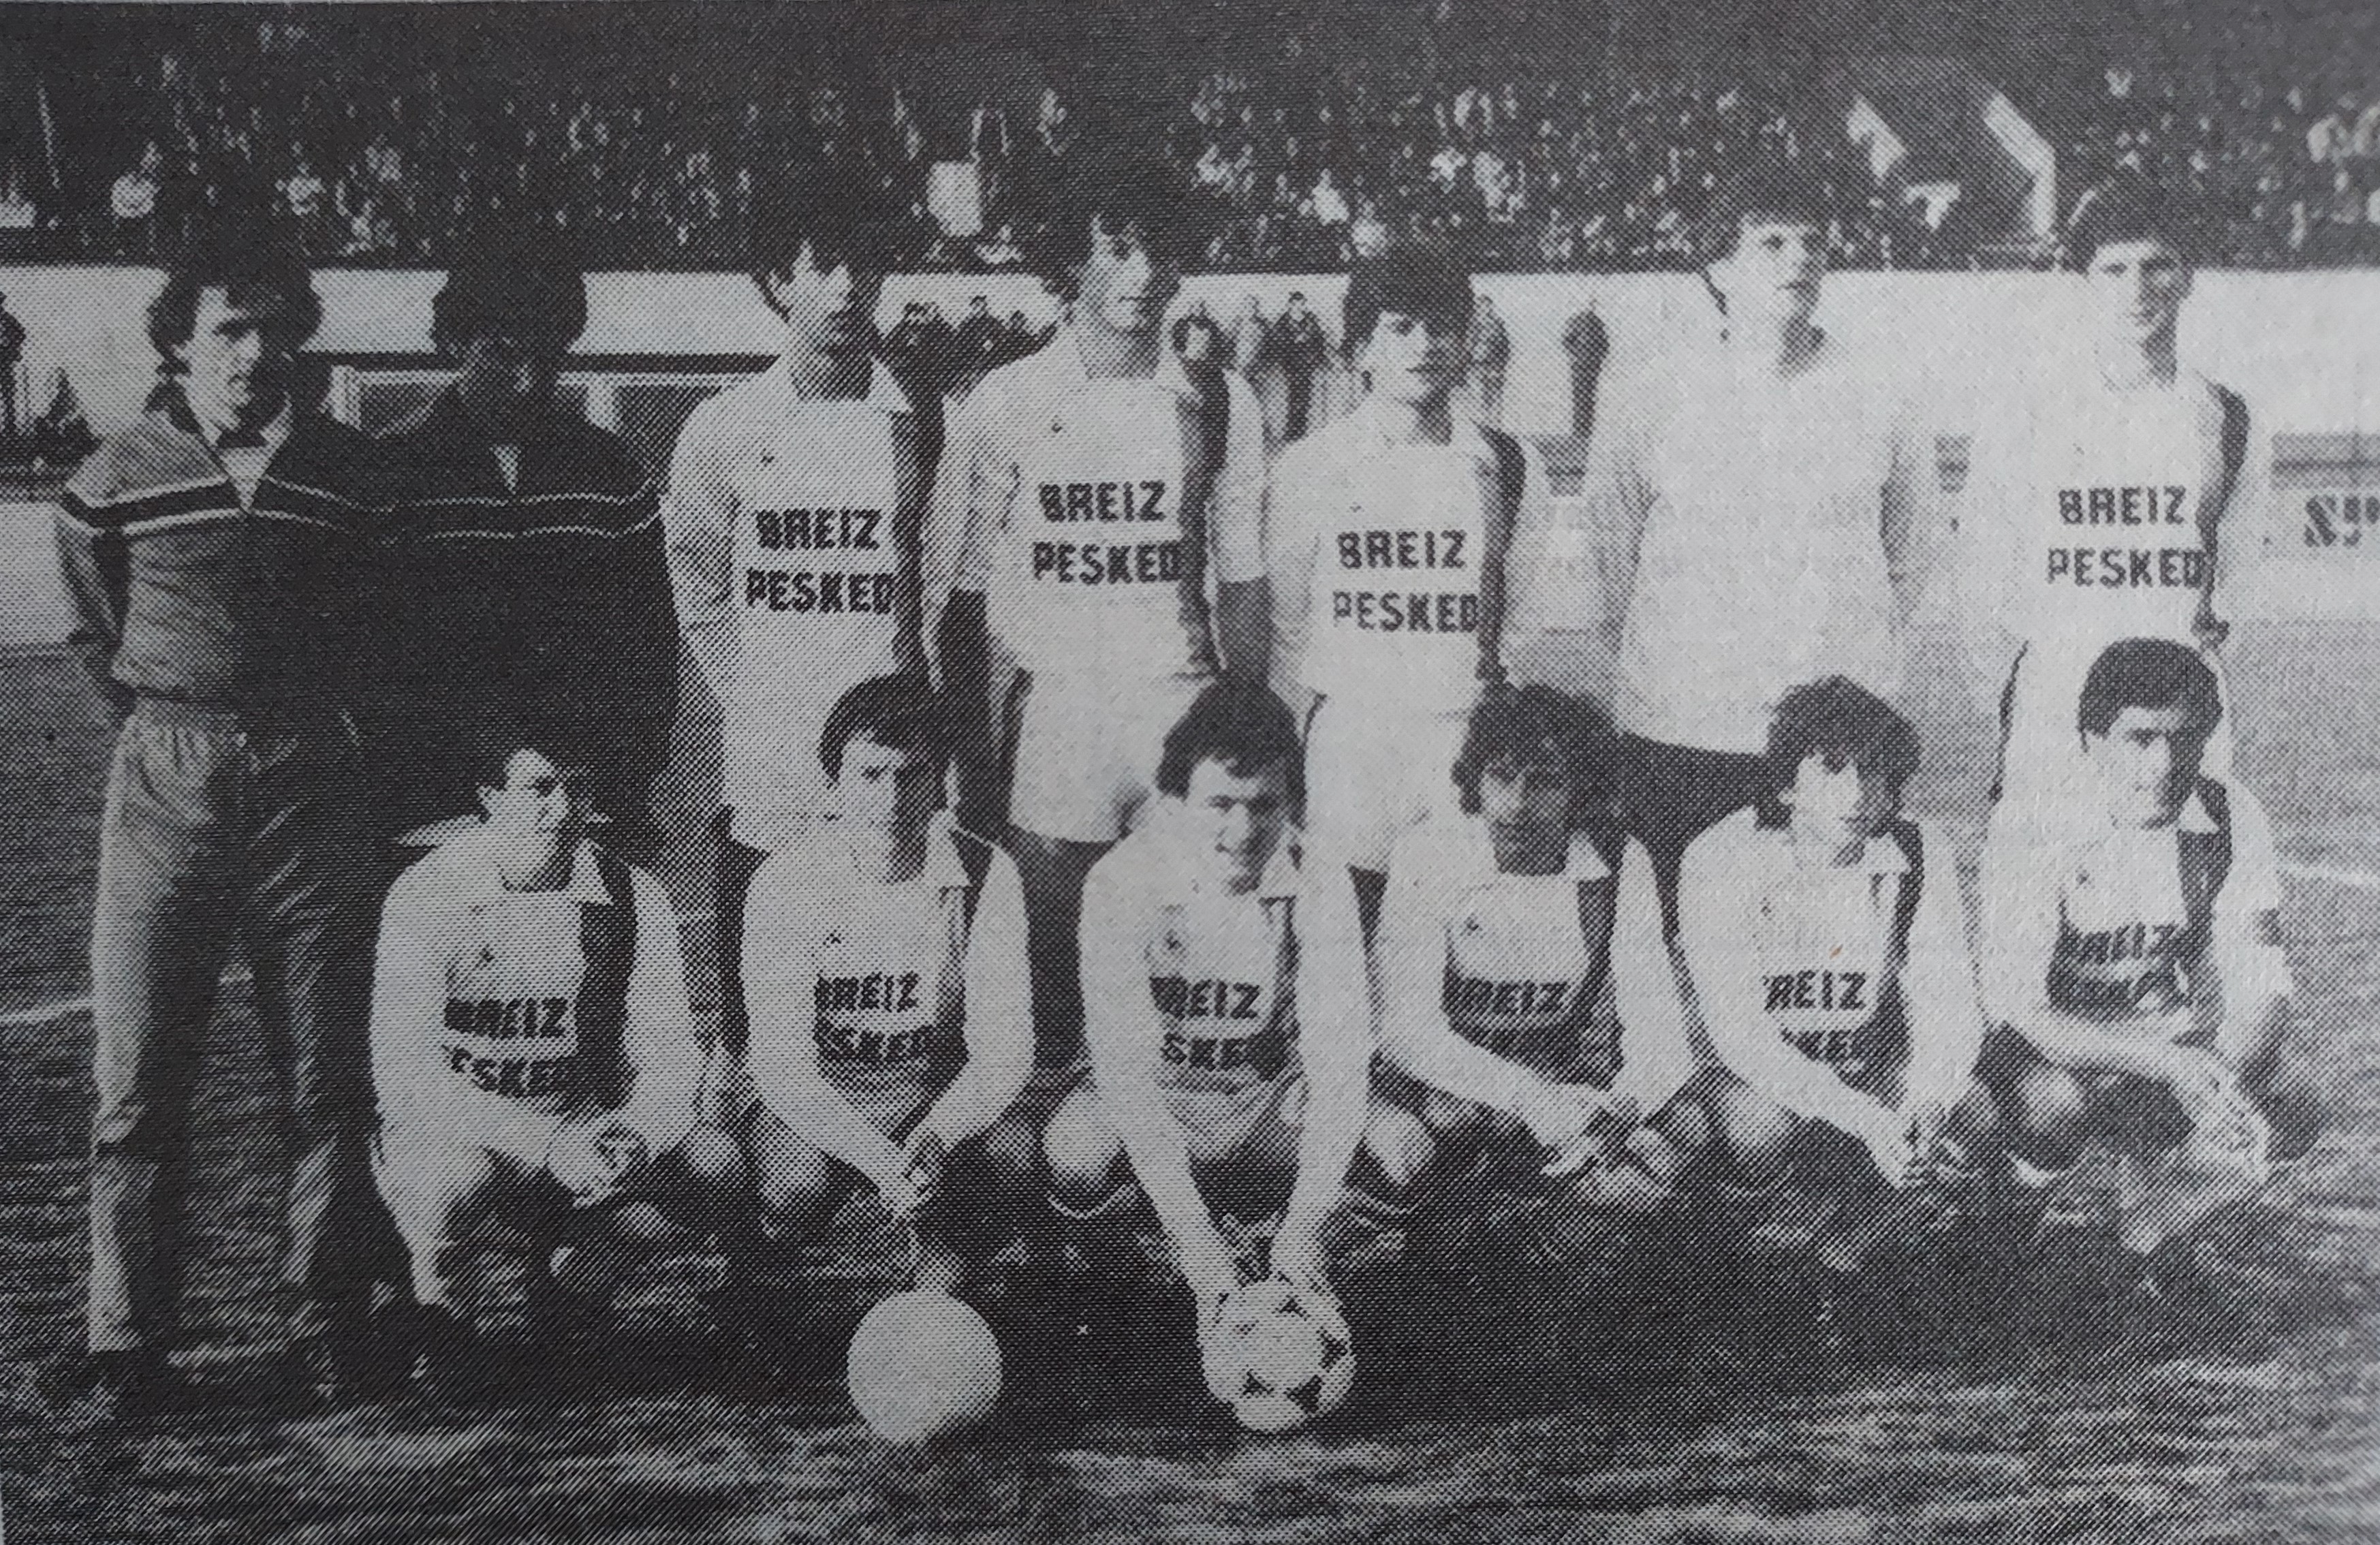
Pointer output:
x,y
1083,1156
790,1180
1400,1146
429,1186
1753,1134
2293,1102
2045,1115
1010,1153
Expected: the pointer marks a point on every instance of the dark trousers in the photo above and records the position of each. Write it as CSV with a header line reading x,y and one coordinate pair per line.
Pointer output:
x,y
219,828
1671,795
731,881
1300,404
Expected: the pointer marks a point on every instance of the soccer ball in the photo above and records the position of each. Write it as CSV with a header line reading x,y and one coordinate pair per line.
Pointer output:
x,y
1280,1355
923,1365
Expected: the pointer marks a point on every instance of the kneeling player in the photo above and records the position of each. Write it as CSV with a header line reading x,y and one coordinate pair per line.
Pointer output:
x,y
1524,976
2136,964
533,1051
1225,1012
884,964
1823,938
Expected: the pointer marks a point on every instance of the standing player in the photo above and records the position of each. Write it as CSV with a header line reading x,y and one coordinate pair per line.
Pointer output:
x,y
1761,506
1824,939
1227,1014
891,1003
2099,505
218,554
530,575
1109,508
1389,533
792,515
1524,979
533,1050
2136,964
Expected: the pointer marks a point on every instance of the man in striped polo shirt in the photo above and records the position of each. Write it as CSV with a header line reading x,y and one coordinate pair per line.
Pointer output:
x,y
529,574
217,551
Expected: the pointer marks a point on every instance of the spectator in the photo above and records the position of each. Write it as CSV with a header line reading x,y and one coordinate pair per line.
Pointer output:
x,y
133,204
12,354
1299,348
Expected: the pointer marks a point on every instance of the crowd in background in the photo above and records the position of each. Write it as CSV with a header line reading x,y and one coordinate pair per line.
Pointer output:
x,y
1583,165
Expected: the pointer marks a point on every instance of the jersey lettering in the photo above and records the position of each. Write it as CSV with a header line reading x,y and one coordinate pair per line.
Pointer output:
x,y
878,989
1817,988
809,590
844,1042
817,531
1092,562
1440,549
515,1078
2116,973
2155,505
1180,999
1105,501
1405,612
508,1018
2129,567
1260,1053
1475,996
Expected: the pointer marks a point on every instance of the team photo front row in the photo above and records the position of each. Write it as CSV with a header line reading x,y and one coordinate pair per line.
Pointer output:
x,y
1268,1094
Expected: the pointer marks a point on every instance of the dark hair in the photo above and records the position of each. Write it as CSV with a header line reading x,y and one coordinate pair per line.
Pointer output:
x,y
2129,208
1535,724
499,737
1844,722
838,215
254,276
2148,673
900,711
1242,725
1124,192
1412,280
511,293
1762,191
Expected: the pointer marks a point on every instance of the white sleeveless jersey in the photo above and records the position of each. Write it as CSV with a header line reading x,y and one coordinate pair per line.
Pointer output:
x,y
1391,544
513,970
2095,494
1221,970
804,494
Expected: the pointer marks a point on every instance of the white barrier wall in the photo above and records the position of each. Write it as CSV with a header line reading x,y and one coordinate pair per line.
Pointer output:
x,y
2304,348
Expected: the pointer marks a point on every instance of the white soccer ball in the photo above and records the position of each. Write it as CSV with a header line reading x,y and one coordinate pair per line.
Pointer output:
x,y
1280,1355
923,1365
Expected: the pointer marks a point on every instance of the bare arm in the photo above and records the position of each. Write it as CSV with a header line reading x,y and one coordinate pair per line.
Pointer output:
x,y
1243,597
664,1054
1335,1041
699,513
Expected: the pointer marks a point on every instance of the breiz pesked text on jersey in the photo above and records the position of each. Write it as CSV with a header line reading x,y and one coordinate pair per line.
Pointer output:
x,y
823,591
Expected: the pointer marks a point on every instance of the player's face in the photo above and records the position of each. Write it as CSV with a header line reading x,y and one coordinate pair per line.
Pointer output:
x,y
891,789
1238,819
1775,271
1125,288
1412,358
540,809
1837,807
828,304
2137,288
508,382
237,356
1525,802
2147,761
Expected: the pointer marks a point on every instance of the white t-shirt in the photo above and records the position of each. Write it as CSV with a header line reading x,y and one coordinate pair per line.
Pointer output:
x,y
2095,924
788,552
1378,555
475,1001
1506,962
2083,510
878,987
1810,956
1059,500
1774,519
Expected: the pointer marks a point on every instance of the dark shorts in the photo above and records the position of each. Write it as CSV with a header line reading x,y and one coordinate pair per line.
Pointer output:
x,y
1671,795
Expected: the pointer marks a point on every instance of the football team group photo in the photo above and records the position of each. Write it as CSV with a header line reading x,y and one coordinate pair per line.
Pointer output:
x,y
1524,742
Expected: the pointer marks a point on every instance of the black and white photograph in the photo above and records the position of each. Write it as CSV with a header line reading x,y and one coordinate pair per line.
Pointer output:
x,y
1600,772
